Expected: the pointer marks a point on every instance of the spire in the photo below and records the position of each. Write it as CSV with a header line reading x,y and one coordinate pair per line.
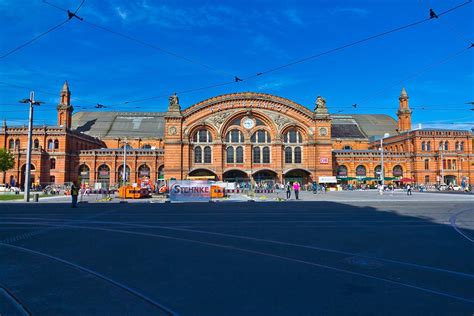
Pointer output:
x,y
65,87
404,112
403,94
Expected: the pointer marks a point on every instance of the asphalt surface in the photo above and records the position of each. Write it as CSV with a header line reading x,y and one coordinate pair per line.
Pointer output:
x,y
309,258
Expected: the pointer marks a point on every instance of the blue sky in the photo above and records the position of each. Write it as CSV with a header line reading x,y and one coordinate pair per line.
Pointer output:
x,y
241,38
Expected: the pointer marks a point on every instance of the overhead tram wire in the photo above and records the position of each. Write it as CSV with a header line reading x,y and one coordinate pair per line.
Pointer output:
x,y
412,76
57,26
302,60
397,29
19,47
292,63
144,43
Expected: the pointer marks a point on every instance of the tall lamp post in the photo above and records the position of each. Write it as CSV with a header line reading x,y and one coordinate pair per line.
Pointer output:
x,y
27,181
382,172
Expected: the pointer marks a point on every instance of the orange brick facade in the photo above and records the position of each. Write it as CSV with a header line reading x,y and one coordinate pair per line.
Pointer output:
x,y
245,136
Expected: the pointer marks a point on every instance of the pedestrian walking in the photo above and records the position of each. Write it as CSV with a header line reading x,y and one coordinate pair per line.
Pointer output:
x,y
296,188
288,190
408,189
315,187
74,194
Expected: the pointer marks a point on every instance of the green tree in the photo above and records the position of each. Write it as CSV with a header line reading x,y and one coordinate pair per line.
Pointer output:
x,y
7,161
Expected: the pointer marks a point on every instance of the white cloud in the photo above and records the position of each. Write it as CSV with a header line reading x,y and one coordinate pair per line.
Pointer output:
x,y
350,10
293,16
123,14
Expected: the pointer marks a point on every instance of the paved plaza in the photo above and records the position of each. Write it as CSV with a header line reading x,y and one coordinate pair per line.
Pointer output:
x,y
343,253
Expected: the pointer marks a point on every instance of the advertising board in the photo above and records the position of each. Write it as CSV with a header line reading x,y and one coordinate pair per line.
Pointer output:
x,y
190,191
327,179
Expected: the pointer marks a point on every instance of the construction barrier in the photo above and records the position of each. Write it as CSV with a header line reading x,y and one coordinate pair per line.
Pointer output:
x,y
264,191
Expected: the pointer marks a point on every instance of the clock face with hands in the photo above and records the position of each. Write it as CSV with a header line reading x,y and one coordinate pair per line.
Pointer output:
x,y
248,123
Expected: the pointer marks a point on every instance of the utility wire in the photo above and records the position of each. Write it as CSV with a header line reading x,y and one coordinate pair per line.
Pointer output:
x,y
144,43
413,75
397,29
237,79
302,60
44,33
33,39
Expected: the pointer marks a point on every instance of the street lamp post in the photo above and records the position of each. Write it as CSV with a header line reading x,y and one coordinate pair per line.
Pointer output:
x,y
27,181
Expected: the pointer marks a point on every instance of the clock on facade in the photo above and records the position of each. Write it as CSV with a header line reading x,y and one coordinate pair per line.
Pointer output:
x,y
248,123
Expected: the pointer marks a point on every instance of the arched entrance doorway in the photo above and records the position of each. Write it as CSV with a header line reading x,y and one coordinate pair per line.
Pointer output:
x,y
84,174
23,173
450,179
297,175
239,177
103,176
120,175
202,174
265,179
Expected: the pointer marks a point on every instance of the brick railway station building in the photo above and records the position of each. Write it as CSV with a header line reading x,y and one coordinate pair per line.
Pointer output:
x,y
239,136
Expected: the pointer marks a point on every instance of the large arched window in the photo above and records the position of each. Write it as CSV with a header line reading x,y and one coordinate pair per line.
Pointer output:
x,y
144,171
11,144
207,154
230,154
235,154
423,146
428,146
461,146
397,171
52,163
36,144
256,155
261,154
293,136
84,173
202,153
446,145
239,155
50,144
266,154
202,136
361,171
121,175
341,171
235,136
297,154
377,171
288,155
103,176
198,154
56,144
261,137
17,144
292,151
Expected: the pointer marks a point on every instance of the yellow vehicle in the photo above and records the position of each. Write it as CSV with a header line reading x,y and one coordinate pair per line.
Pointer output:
x,y
217,192
130,192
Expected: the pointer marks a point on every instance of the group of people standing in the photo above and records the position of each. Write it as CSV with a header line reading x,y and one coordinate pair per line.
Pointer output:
x,y
295,186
